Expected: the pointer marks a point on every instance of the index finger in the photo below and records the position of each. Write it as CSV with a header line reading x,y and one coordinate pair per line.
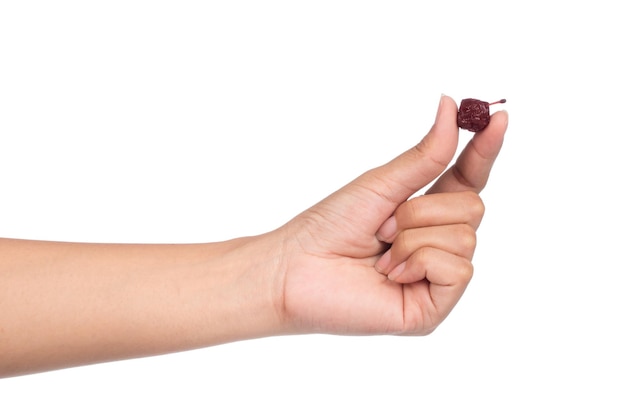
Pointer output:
x,y
471,169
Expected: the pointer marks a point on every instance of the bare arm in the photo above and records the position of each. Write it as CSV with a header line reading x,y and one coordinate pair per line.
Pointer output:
x,y
64,304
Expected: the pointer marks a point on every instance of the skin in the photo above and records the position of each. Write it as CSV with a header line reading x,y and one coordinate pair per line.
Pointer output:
x,y
368,259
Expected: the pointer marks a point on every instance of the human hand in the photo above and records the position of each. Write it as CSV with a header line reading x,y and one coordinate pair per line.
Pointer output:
x,y
365,260
369,260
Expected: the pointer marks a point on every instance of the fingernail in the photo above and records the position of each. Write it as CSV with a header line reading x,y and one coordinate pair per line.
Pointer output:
x,y
383,263
395,273
387,230
439,108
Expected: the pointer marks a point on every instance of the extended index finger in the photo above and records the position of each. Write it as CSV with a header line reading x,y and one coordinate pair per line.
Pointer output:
x,y
471,170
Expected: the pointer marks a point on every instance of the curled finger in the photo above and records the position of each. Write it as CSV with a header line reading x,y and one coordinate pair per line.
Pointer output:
x,y
434,210
457,239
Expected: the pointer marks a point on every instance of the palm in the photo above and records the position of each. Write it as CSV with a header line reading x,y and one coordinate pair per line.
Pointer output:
x,y
333,286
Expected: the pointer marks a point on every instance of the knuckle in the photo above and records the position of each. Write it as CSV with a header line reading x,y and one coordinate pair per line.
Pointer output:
x,y
424,151
466,237
422,258
474,204
465,271
422,255
413,210
401,246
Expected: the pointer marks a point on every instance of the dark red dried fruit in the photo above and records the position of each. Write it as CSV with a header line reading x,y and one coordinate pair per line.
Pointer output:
x,y
474,114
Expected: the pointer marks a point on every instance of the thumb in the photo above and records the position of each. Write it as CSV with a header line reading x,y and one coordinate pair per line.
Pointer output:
x,y
418,166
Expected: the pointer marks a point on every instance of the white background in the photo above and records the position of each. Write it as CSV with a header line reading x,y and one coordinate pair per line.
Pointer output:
x,y
156,121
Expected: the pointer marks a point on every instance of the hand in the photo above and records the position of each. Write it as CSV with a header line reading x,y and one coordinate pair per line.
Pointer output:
x,y
366,260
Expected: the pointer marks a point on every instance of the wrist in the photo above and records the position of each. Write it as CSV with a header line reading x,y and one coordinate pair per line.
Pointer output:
x,y
246,283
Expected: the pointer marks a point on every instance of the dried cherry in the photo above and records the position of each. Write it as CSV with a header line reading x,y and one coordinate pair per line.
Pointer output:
x,y
474,114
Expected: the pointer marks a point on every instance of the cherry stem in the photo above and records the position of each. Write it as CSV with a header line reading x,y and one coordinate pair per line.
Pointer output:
x,y
499,101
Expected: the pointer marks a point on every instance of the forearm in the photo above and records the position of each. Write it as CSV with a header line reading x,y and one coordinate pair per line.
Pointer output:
x,y
64,304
